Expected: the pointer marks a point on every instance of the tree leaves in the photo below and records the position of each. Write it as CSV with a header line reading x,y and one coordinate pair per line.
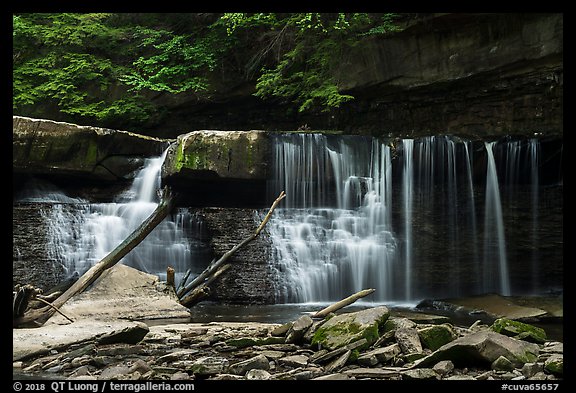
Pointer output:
x,y
102,66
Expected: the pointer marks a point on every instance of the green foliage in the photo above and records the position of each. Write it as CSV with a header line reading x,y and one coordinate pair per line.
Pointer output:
x,y
174,63
105,67
307,74
69,61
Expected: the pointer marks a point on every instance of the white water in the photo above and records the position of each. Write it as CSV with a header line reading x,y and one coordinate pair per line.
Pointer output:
x,y
534,159
335,235
494,238
81,234
407,195
325,251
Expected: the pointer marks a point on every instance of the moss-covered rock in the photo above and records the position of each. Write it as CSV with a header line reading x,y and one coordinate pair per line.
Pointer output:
x,y
394,323
482,348
519,330
555,364
224,154
434,337
502,364
346,328
41,146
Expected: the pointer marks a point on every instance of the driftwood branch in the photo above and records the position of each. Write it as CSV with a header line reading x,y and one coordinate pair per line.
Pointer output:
x,y
39,316
203,290
55,309
198,288
343,303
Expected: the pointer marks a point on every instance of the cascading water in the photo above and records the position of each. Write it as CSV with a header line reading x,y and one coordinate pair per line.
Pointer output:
x,y
494,239
333,235
337,232
407,195
80,234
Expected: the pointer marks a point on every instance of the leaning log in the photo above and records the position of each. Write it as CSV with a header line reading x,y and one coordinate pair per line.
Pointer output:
x,y
198,288
38,317
343,303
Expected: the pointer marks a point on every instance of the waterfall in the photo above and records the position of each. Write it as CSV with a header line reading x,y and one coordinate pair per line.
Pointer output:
x,y
333,235
407,179
472,213
80,233
494,239
534,159
337,233
414,218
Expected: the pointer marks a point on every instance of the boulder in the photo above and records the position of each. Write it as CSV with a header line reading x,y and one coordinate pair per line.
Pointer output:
x,y
257,374
123,292
345,328
520,330
394,323
502,364
444,367
420,373
209,365
257,362
434,337
46,147
223,154
531,369
38,341
379,355
483,348
408,340
555,364
294,361
298,329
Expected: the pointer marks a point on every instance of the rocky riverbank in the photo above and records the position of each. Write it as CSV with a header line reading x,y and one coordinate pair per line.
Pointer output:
x,y
372,344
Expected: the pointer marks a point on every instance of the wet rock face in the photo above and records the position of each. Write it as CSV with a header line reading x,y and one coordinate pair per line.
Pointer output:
x,y
448,73
219,168
249,280
32,264
82,152
228,154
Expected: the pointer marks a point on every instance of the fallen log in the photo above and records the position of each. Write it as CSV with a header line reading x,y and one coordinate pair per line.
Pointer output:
x,y
37,317
203,290
213,271
343,303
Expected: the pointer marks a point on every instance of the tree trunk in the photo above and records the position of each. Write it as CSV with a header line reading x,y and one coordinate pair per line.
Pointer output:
x,y
35,318
343,303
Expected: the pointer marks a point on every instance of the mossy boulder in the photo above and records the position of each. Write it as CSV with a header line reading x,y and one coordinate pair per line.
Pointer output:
x,y
218,154
482,349
555,364
47,147
520,330
343,329
434,337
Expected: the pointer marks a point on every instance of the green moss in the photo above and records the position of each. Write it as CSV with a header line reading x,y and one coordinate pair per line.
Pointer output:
x,y
249,158
371,335
353,356
555,365
436,336
528,357
344,333
519,330
92,153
